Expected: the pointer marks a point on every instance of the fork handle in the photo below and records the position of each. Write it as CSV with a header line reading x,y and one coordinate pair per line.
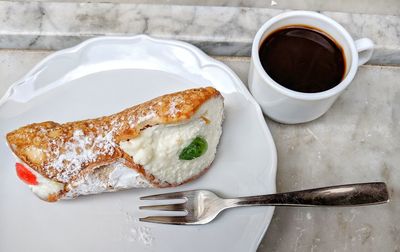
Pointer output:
x,y
341,195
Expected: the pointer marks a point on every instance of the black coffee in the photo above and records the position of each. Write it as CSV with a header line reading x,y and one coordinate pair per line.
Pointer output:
x,y
302,59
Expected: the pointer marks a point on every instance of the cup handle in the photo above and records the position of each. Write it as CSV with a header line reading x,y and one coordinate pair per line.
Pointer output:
x,y
365,48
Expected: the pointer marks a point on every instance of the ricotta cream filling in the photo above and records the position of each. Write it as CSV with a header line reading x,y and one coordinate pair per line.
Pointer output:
x,y
108,178
45,186
158,147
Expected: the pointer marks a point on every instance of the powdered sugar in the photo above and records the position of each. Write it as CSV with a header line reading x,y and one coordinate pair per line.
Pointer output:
x,y
137,232
122,177
173,110
141,234
108,178
88,184
79,150
83,148
150,115
133,121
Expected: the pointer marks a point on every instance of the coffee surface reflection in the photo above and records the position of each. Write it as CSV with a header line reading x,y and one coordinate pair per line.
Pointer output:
x,y
302,59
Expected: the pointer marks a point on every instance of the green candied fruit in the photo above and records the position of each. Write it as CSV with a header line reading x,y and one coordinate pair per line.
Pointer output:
x,y
195,149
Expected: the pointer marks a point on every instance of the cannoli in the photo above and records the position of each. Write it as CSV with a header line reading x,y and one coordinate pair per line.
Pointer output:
x,y
164,142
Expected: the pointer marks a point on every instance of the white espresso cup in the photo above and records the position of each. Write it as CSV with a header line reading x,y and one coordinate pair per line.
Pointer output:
x,y
285,105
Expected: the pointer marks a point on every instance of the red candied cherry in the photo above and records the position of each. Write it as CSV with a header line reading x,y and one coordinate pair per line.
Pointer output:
x,y
25,175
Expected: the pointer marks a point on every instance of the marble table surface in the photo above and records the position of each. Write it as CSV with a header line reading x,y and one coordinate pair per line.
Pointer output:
x,y
356,141
387,7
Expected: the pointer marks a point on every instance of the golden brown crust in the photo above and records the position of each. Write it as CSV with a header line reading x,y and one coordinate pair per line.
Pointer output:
x,y
63,152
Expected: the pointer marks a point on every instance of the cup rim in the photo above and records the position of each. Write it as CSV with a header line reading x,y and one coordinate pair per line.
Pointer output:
x,y
300,95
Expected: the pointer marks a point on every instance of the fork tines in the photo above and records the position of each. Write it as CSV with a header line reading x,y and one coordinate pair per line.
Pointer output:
x,y
164,196
174,220
167,207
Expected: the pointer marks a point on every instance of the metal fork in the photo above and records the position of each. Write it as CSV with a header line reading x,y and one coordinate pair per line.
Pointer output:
x,y
202,206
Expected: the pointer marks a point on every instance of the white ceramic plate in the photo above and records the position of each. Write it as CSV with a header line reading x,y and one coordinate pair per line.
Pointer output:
x,y
105,75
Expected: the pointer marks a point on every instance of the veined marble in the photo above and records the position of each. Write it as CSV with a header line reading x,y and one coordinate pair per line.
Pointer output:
x,y
387,7
216,30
